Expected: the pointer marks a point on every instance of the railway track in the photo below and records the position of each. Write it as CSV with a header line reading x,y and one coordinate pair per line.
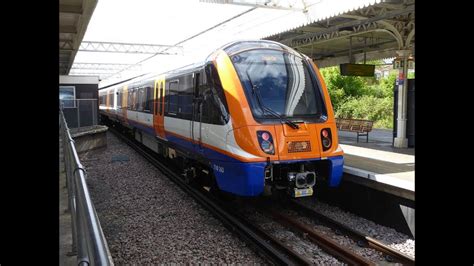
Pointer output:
x,y
391,255
327,244
263,243
268,246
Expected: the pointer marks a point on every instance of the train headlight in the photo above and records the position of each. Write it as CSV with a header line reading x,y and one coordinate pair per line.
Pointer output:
x,y
326,138
326,143
266,142
325,133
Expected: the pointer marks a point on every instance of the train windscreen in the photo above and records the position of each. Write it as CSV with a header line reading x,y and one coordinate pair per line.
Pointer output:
x,y
276,81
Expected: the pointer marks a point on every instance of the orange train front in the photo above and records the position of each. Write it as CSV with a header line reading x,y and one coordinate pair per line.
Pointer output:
x,y
254,113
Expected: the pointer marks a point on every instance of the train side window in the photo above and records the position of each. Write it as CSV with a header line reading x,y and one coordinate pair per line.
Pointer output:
x,y
135,100
148,100
141,99
151,99
167,88
185,97
102,100
211,114
110,100
119,99
214,108
173,97
130,99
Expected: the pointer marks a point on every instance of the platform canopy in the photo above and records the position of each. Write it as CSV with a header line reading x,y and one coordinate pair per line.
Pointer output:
x,y
128,38
373,32
74,16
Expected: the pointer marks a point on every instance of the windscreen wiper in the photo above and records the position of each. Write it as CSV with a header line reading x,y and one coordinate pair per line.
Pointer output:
x,y
287,121
264,108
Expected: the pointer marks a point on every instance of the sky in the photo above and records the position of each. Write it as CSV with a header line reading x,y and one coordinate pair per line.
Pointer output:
x,y
168,22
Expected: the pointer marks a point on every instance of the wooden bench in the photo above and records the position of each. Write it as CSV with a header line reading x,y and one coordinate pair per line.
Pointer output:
x,y
360,126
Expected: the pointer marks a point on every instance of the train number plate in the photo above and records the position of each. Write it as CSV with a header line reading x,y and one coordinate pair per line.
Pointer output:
x,y
302,192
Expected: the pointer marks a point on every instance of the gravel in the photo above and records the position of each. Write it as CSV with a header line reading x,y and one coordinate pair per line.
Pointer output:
x,y
147,219
367,253
302,246
386,235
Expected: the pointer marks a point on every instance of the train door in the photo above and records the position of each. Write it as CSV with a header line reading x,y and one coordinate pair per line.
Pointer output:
x,y
197,114
159,112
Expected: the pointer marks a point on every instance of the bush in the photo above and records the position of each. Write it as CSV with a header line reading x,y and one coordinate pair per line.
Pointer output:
x,y
368,107
361,97
337,97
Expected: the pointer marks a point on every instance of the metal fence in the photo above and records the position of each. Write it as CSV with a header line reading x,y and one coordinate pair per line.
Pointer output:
x,y
80,112
88,238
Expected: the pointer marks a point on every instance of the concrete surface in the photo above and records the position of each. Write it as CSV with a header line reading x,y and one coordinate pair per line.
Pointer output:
x,y
380,139
377,164
88,138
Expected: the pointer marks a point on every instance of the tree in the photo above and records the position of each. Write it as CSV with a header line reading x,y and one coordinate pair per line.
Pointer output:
x,y
361,97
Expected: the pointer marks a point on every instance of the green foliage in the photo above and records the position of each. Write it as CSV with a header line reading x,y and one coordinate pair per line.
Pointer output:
x,y
350,85
361,97
368,107
338,97
387,84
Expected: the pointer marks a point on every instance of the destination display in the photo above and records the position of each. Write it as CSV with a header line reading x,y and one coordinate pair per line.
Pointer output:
x,y
357,70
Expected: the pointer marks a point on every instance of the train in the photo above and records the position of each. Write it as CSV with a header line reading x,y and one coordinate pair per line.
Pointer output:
x,y
253,116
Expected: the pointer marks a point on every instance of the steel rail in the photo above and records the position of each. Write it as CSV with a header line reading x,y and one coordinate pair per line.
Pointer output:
x,y
326,243
361,238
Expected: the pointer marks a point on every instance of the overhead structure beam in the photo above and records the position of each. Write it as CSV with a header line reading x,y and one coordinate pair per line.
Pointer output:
x,y
358,57
362,29
70,9
103,66
66,45
355,49
333,31
67,29
88,71
255,3
136,48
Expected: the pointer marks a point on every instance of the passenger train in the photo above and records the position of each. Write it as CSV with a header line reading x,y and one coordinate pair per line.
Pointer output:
x,y
252,114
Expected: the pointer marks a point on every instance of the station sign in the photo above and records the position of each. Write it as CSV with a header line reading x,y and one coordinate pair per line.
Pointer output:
x,y
400,79
357,70
398,63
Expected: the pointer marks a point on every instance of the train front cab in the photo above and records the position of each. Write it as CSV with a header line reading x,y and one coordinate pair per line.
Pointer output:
x,y
282,117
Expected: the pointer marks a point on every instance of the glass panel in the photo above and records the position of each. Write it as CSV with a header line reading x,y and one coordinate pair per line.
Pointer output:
x,y
282,80
67,96
173,98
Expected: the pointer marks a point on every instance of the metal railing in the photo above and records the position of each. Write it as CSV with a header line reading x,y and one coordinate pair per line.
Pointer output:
x,y
87,236
80,112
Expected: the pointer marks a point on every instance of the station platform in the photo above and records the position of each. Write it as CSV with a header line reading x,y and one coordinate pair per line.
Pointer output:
x,y
377,164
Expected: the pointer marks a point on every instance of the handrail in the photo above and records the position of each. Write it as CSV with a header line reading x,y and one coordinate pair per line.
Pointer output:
x,y
87,235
